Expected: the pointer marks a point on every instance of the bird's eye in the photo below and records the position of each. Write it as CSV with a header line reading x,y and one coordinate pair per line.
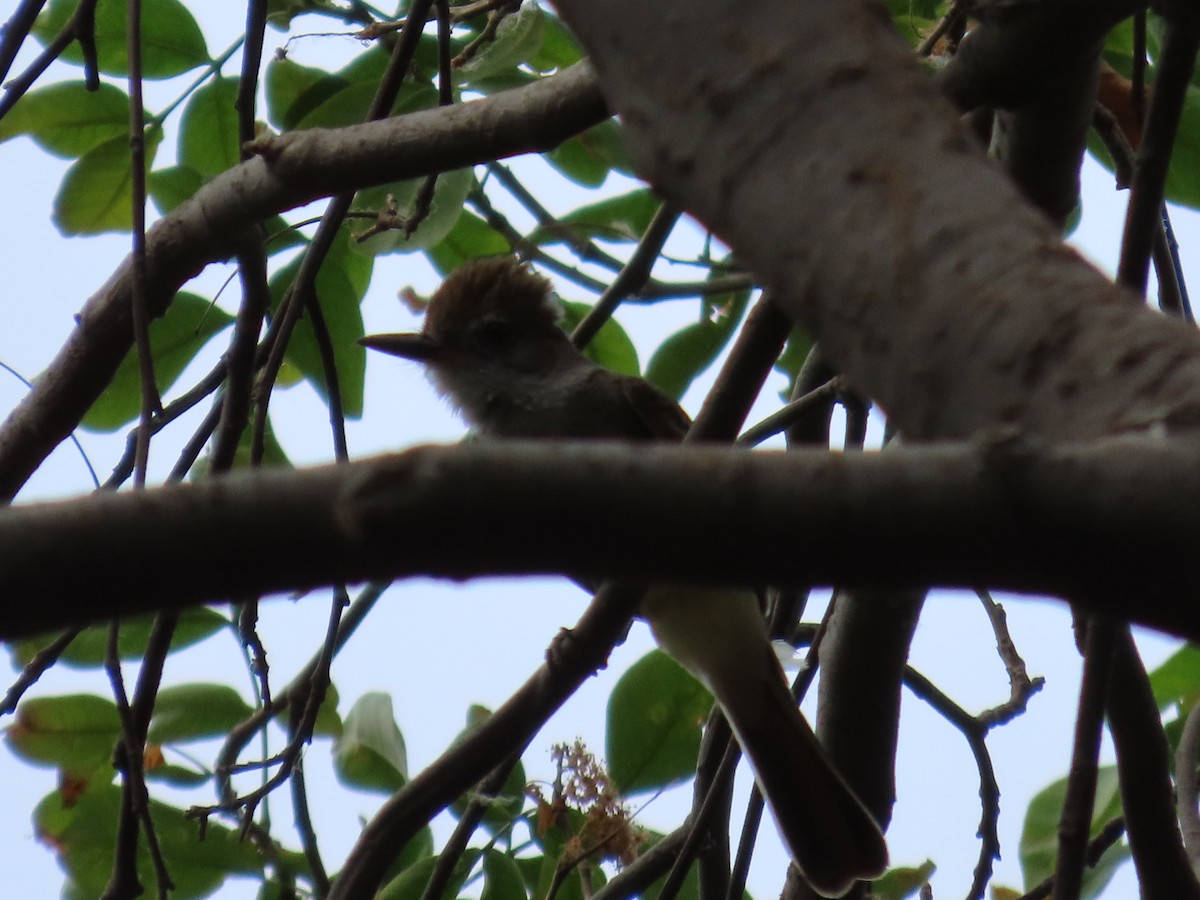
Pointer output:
x,y
493,331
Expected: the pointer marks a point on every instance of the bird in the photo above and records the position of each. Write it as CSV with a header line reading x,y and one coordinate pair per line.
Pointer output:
x,y
493,347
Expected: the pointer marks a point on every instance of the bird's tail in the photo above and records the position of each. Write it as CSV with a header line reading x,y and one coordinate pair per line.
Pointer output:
x,y
831,836
719,636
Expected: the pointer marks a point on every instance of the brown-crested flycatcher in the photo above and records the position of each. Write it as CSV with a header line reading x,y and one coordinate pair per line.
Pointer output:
x,y
492,346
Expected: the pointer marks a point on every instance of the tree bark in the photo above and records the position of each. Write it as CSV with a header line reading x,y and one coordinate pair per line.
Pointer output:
x,y
1105,521
805,135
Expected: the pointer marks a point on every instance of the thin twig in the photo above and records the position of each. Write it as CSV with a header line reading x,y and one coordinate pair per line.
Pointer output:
x,y
585,249
1021,686
247,92
304,827
1074,826
14,32
780,421
482,799
634,274
42,660
527,249
1105,838
151,403
287,759
975,733
1172,291
952,20
1176,63
301,294
80,27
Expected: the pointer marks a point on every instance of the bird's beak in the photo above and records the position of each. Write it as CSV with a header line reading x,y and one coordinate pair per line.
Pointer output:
x,y
415,345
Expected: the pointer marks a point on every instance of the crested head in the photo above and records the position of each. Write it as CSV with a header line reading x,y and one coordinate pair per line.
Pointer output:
x,y
489,290
492,345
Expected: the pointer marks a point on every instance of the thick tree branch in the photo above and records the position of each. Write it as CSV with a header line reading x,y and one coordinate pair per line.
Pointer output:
x,y
806,136
289,171
1143,763
1107,521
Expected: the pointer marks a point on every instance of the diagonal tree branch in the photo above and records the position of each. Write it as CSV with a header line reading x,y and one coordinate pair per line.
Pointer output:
x,y
289,171
954,309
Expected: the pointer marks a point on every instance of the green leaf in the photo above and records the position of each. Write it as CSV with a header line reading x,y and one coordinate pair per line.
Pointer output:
x,y
1039,835
75,733
172,42
82,832
501,878
470,238
655,717
518,37
177,776
902,882
293,91
328,722
688,352
90,646
370,753
67,119
926,9
410,884
340,284
916,18
208,130
281,12
1177,681
611,347
370,67
175,339
350,105
559,48
539,875
190,712
621,218
281,235
170,187
795,352
412,853
1183,176
446,207
506,806
588,158
691,885
96,194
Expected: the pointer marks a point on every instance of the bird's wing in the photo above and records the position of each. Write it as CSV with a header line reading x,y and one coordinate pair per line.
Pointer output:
x,y
662,418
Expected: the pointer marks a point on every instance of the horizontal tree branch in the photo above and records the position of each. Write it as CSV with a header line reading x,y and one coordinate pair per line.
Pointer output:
x,y
1111,525
288,171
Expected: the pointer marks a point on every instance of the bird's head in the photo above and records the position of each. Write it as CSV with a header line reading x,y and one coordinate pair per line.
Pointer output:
x,y
492,312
